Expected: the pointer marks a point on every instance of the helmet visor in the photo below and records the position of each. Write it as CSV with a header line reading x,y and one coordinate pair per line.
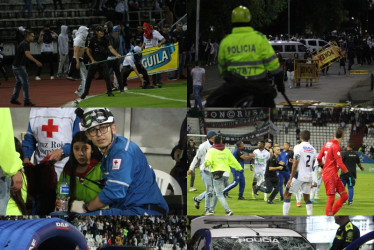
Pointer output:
x,y
97,115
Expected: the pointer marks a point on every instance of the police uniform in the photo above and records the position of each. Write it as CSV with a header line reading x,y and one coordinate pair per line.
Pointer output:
x,y
244,58
345,235
350,159
131,187
99,48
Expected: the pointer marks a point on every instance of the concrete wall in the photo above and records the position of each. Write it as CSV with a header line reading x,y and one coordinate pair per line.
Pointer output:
x,y
155,131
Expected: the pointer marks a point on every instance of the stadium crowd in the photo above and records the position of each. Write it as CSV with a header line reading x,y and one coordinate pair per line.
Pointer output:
x,y
149,231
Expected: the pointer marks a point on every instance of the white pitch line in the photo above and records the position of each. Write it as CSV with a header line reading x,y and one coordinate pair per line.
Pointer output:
x,y
156,96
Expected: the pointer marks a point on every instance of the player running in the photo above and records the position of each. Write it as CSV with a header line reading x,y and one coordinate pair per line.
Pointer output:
x,y
261,156
333,161
301,174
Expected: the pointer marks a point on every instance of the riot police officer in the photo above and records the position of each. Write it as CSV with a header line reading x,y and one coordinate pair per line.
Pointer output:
x,y
245,57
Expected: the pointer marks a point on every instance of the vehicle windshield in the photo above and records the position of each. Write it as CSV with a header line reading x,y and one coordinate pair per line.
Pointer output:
x,y
261,243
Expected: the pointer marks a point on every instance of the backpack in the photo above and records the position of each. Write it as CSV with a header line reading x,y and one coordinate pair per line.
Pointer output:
x,y
47,37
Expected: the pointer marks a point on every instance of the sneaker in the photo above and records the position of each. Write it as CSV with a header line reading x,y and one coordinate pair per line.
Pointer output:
x,y
110,94
125,88
242,198
159,85
15,102
197,203
298,204
37,78
255,191
209,213
192,189
78,93
270,202
29,104
52,77
350,203
58,75
276,198
229,213
226,195
253,196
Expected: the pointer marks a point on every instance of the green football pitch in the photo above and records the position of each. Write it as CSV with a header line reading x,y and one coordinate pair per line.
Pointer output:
x,y
171,95
363,201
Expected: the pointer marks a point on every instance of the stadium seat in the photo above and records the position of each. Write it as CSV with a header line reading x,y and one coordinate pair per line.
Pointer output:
x,y
163,180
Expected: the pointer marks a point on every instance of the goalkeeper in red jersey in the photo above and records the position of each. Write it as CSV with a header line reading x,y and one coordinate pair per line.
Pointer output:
x,y
333,161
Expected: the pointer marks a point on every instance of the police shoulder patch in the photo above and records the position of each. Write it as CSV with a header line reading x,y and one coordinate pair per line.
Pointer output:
x,y
116,163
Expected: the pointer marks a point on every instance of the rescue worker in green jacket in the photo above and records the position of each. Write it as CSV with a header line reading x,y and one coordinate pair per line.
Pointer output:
x,y
245,58
82,172
346,233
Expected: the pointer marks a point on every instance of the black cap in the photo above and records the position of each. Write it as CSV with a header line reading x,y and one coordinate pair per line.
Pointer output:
x,y
99,28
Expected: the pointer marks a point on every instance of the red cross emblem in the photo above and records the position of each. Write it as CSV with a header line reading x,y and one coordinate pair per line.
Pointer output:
x,y
50,128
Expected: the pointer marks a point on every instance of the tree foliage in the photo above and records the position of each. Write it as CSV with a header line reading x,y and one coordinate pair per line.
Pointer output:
x,y
270,16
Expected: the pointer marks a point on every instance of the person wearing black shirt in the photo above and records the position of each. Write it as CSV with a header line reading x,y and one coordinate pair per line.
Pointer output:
x,y
19,70
97,51
113,37
346,233
350,159
271,178
168,41
179,35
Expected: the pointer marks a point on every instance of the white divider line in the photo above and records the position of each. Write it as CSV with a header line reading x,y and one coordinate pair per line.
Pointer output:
x,y
156,96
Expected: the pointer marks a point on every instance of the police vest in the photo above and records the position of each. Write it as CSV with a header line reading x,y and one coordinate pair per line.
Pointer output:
x,y
247,54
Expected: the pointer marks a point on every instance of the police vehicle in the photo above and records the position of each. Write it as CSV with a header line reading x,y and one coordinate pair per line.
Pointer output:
x,y
286,48
244,232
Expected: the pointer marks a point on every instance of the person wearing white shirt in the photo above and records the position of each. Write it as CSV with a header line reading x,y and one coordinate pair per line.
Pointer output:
x,y
302,173
46,38
204,172
152,38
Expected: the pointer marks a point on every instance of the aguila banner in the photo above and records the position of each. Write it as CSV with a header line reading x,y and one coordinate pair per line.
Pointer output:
x,y
159,59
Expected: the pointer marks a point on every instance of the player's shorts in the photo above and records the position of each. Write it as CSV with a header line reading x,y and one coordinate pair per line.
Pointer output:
x,y
297,185
259,174
333,184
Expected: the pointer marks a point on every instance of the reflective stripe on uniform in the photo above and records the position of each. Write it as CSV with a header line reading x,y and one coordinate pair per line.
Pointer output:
x,y
119,182
257,77
270,59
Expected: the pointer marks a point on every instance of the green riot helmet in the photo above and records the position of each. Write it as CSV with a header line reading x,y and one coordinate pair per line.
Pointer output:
x,y
240,14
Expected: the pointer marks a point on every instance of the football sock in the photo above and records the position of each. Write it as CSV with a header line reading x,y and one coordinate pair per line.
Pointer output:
x,y
339,203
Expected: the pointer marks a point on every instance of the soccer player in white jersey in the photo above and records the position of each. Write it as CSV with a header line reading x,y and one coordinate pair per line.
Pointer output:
x,y
302,173
261,156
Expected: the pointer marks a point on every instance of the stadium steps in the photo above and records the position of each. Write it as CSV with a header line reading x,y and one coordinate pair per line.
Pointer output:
x,y
358,138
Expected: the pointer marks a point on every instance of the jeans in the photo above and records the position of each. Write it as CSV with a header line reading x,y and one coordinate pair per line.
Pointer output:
x,y
197,92
270,186
22,80
208,182
28,6
350,189
218,185
5,183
